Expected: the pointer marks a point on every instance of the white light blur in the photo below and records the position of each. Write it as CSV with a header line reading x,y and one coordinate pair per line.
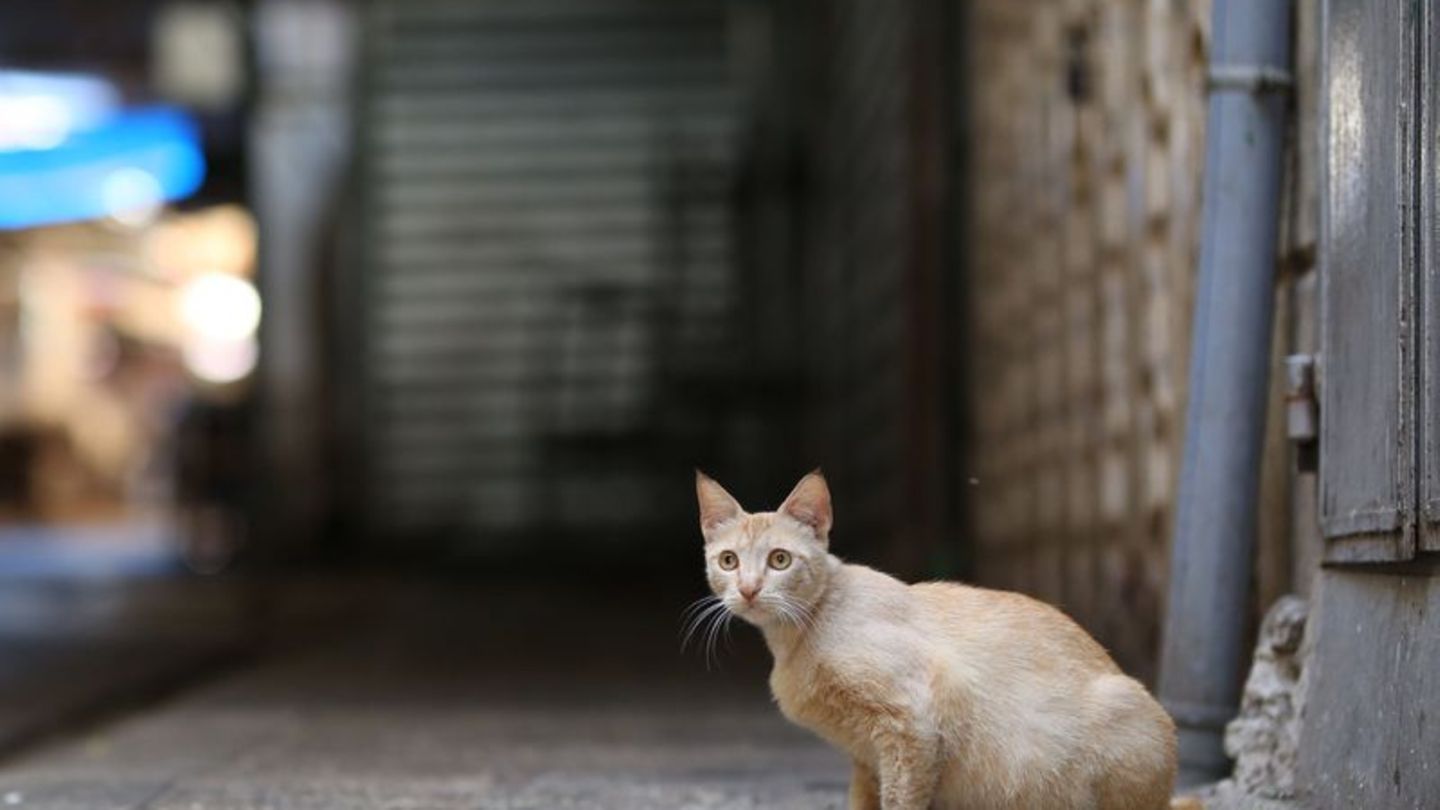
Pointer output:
x,y
38,122
132,196
221,361
221,314
220,307
39,110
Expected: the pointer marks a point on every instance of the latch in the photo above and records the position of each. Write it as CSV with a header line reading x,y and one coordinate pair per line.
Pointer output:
x,y
1302,410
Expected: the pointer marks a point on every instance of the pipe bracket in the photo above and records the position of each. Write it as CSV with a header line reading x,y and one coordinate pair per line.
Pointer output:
x,y
1250,79
1196,715
1302,417
1302,411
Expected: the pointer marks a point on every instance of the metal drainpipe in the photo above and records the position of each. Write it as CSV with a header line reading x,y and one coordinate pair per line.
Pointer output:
x,y
1214,545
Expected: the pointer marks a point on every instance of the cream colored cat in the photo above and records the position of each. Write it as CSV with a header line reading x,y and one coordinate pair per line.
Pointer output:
x,y
944,696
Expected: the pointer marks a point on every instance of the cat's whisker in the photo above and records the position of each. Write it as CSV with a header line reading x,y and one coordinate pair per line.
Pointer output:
x,y
696,607
710,638
803,619
781,608
725,633
692,607
806,618
710,641
693,613
691,622
807,614
706,618
717,624
698,624
784,613
790,610
720,625
709,612
797,613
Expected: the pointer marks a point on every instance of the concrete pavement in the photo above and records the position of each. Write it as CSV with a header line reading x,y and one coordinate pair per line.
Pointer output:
x,y
92,617
457,696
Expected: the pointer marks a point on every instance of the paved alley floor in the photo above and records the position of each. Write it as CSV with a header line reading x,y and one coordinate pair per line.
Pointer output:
x,y
456,697
94,615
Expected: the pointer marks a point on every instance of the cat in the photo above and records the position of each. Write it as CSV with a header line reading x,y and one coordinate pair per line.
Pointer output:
x,y
944,696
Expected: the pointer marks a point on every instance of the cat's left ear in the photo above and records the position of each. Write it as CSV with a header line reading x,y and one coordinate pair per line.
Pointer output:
x,y
809,503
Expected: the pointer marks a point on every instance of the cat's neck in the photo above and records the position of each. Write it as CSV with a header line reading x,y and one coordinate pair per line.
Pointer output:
x,y
783,637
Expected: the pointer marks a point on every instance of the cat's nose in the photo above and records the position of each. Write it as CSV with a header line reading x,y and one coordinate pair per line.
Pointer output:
x,y
747,592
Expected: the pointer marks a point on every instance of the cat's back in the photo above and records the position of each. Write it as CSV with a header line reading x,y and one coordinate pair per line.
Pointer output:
x,y
977,630
1007,624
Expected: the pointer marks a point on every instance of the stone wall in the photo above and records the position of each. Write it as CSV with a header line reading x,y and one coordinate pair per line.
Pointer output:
x,y
1088,149
1088,152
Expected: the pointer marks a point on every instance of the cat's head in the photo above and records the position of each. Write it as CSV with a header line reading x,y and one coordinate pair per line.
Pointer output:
x,y
768,566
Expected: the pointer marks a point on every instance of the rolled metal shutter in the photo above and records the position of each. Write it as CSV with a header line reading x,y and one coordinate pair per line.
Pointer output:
x,y
546,233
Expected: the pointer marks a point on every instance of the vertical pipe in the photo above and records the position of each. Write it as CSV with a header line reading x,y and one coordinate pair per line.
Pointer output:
x,y
1214,542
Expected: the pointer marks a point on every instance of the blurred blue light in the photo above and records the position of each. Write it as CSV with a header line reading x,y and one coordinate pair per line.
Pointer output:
x,y
76,179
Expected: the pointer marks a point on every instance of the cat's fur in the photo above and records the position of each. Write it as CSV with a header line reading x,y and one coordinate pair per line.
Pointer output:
x,y
944,696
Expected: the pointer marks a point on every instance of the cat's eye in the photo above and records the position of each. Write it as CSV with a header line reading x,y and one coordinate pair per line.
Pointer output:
x,y
780,559
728,560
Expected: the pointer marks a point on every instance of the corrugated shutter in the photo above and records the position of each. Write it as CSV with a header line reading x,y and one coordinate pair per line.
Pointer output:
x,y
547,236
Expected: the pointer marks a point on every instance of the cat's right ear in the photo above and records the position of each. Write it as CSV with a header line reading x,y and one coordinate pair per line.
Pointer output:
x,y
716,505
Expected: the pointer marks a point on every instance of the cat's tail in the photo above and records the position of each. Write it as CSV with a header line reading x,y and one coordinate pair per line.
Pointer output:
x,y
1186,803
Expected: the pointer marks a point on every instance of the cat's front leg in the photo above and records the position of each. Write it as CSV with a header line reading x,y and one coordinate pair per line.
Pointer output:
x,y
909,772
864,788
